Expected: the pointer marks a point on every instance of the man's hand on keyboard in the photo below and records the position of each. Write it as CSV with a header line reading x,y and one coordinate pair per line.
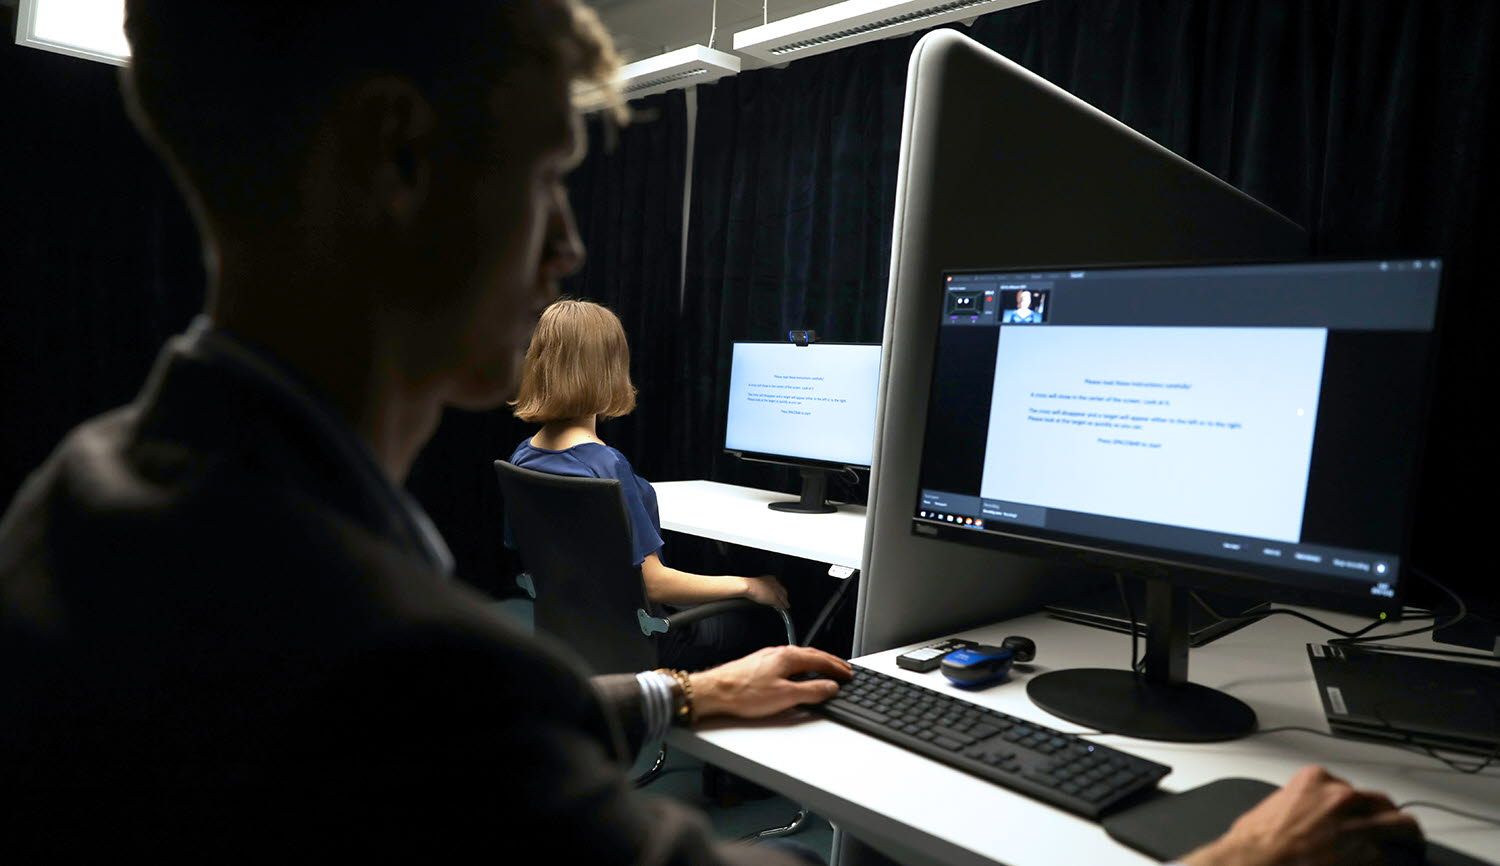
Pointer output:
x,y
760,684
1316,819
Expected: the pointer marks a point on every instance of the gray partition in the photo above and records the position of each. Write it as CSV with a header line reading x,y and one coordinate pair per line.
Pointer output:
x,y
1001,169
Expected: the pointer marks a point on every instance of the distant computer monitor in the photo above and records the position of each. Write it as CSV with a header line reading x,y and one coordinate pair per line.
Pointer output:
x,y
1252,428
808,406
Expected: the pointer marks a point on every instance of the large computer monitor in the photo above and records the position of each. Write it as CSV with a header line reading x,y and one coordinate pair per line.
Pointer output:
x,y
999,168
808,406
1252,428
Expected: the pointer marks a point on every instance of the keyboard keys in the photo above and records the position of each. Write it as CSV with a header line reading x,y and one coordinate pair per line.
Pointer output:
x,y
953,734
1062,769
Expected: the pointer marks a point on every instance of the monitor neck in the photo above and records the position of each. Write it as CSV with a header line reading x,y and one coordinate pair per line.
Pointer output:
x,y
1166,627
814,495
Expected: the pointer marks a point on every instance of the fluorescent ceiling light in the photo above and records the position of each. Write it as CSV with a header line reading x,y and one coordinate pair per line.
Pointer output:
x,y
695,64
92,29
852,22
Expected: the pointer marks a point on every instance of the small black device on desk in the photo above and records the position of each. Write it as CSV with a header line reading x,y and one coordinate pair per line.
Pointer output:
x,y
927,658
1062,769
1385,696
930,657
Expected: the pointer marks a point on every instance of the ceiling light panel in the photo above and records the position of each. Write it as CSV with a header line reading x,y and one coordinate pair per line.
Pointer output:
x,y
695,64
853,22
93,29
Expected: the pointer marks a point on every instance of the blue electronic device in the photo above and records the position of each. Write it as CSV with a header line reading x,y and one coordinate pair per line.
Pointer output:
x,y
975,667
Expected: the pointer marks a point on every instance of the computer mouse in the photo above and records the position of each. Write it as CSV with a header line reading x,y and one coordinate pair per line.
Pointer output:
x,y
973,667
1404,851
1024,648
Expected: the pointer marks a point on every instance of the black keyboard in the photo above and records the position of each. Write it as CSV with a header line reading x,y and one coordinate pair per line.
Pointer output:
x,y
1062,769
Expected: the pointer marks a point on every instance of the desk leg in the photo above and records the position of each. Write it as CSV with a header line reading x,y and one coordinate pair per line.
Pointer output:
x,y
829,608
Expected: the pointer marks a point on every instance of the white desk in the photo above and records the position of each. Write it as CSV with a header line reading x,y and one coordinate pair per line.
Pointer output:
x,y
739,515
920,811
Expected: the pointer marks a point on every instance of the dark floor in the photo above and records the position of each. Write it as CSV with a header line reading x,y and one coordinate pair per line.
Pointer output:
x,y
682,780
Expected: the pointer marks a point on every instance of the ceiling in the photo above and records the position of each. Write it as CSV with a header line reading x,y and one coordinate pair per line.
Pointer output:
x,y
645,28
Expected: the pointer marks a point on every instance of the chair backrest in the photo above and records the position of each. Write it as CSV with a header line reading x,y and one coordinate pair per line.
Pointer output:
x,y
573,535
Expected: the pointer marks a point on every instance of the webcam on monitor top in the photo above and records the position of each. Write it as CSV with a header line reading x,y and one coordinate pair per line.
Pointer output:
x,y
802,338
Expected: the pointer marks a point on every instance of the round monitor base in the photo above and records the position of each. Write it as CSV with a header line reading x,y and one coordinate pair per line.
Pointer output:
x,y
797,507
1120,702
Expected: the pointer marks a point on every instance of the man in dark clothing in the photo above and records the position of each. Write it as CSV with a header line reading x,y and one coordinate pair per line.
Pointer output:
x,y
225,631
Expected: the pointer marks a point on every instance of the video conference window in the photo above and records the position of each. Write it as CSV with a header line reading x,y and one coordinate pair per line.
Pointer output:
x,y
1024,306
965,303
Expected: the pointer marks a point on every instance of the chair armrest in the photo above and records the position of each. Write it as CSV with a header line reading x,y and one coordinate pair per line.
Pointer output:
x,y
653,625
692,614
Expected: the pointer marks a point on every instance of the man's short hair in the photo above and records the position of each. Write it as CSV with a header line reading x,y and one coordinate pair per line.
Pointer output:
x,y
578,365
230,91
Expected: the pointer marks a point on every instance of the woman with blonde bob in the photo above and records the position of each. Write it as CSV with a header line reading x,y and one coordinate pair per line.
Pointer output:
x,y
577,371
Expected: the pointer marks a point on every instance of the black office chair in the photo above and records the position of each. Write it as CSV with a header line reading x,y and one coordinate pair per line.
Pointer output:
x,y
574,538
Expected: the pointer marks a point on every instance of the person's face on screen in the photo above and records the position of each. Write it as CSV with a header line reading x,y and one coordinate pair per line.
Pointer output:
x,y
1023,301
508,236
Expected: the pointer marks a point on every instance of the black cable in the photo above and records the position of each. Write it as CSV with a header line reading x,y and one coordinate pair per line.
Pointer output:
x,y
1466,769
1406,746
1355,636
1424,804
1282,611
831,609
1462,612
852,481
1408,739
1135,661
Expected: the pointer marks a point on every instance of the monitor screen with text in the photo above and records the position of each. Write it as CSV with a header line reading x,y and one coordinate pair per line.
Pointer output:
x,y
1261,419
812,403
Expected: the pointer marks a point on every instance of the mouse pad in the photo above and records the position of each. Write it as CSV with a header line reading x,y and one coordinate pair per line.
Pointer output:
x,y
1171,826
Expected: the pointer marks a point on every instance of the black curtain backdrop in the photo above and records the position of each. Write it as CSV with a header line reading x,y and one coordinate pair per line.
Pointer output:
x,y
99,260
1371,123
790,227
627,199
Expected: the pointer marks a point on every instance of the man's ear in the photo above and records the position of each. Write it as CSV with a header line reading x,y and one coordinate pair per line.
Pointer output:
x,y
396,122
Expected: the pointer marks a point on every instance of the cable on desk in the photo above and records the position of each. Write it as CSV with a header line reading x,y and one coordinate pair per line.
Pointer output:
x,y
1462,612
1282,611
1347,637
1424,804
1406,745
1136,663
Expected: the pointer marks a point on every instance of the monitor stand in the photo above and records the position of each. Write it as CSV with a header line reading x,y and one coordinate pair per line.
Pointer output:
x,y
814,492
1156,704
